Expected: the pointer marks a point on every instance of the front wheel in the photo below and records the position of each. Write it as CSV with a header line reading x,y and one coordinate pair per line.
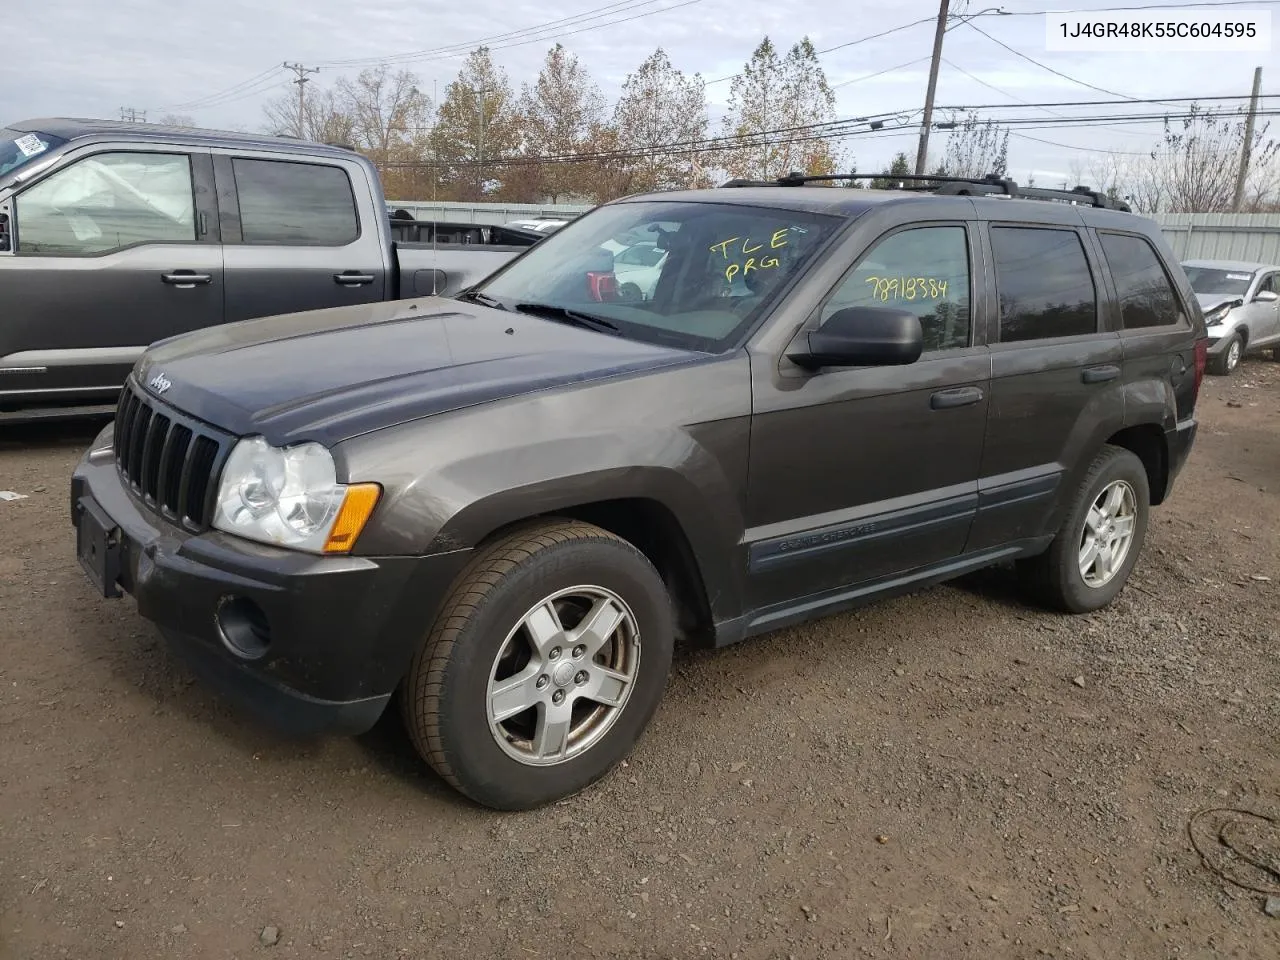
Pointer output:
x,y
1226,363
543,668
1098,544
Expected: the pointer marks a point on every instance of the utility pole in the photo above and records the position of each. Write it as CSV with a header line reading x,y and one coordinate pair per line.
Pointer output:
x,y
1248,142
301,73
132,115
922,152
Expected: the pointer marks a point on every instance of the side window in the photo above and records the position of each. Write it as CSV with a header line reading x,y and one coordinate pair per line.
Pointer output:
x,y
1046,289
1146,296
107,202
924,270
298,204
1268,283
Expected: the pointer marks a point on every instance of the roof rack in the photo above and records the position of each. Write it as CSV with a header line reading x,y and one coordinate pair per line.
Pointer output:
x,y
988,186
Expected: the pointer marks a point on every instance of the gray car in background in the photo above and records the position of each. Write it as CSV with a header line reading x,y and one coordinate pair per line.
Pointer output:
x,y
1241,304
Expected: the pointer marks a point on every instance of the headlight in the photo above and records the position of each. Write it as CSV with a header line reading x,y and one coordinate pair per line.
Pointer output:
x,y
1217,315
290,497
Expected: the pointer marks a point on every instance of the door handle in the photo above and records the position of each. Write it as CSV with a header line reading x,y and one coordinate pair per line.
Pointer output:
x,y
1100,374
186,278
353,279
960,397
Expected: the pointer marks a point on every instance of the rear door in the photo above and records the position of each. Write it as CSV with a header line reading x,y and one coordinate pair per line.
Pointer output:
x,y
114,250
299,234
1056,388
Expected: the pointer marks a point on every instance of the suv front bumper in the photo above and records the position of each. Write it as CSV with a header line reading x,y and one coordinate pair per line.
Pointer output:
x,y
327,638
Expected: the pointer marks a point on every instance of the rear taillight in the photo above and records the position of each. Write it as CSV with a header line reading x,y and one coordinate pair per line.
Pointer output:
x,y
602,285
1202,359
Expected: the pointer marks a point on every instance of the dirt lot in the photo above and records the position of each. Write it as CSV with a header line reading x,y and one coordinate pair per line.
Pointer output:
x,y
949,775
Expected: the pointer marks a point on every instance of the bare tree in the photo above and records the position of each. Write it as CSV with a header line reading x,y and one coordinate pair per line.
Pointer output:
x,y
559,115
976,148
1193,168
477,124
660,106
774,107
176,120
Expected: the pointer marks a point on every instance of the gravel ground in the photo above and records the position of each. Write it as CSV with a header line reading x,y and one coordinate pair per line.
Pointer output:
x,y
951,774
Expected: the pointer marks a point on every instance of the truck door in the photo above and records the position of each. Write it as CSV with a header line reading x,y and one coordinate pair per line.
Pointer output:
x,y
299,235
113,251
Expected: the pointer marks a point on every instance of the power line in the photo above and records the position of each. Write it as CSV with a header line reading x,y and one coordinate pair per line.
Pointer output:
x,y
880,73
300,74
200,101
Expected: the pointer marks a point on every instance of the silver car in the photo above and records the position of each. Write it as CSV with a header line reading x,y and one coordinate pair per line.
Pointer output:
x,y
1241,304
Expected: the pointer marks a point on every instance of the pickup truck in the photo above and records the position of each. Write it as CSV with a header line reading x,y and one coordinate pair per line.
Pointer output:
x,y
117,235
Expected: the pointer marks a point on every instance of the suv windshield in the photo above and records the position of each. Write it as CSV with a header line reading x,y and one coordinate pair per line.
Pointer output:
x,y
1227,283
18,147
694,275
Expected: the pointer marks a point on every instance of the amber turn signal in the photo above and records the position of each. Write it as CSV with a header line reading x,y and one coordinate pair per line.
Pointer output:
x,y
357,507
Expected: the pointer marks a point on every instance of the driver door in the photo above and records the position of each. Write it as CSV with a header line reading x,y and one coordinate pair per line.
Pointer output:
x,y
113,251
863,473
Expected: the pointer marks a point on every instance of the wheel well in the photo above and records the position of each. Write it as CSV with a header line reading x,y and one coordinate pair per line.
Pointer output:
x,y
653,530
1147,442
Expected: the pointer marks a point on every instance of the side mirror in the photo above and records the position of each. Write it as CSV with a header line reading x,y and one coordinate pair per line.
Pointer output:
x,y
1266,296
862,337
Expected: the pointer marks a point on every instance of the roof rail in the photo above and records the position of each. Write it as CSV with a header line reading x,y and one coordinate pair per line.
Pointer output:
x,y
990,185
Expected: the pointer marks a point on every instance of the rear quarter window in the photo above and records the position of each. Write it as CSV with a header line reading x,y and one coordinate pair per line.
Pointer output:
x,y
1146,294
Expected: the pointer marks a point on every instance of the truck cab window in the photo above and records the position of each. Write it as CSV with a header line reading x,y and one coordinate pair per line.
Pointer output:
x,y
924,270
107,202
296,204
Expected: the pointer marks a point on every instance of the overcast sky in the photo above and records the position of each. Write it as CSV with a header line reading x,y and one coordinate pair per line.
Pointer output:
x,y
92,57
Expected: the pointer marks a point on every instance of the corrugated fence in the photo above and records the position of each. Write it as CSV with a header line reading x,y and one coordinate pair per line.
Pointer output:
x,y
1193,236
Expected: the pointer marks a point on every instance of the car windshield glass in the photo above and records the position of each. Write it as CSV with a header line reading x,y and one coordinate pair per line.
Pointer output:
x,y
18,147
695,275
1213,281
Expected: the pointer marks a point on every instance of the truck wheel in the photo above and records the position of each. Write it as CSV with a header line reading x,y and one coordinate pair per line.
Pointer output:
x,y
1098,543
1225,363
544,666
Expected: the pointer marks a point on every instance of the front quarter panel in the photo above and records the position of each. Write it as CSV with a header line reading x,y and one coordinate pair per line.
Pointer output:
x,y
677,436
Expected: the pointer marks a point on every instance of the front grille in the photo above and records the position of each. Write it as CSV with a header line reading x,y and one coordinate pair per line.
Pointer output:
x,y
167,459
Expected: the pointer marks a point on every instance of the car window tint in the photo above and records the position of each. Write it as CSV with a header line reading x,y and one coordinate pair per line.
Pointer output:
x,y
1146,296
924,270
107,202
1268,284
300,204
1044,283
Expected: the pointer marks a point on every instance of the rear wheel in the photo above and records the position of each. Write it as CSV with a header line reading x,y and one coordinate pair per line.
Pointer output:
x,y
1226,363
543,668
1100,539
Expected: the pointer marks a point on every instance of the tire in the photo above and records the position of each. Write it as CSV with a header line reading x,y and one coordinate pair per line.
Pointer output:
x,y
1055,577
484,638
1275,354
630,291
1228,361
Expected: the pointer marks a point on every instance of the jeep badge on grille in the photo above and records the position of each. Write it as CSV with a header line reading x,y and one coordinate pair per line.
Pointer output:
x,y
159,383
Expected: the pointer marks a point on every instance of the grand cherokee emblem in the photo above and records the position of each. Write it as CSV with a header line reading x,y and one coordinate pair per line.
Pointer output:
x,y
159,383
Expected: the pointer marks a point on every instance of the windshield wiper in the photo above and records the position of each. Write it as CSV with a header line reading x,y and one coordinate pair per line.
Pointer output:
x,y
475,296
564,315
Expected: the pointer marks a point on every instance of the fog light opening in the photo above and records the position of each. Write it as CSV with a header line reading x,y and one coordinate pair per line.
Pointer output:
x,y
244,627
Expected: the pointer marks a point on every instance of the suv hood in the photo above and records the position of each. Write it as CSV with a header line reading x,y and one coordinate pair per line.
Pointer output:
x,y
327,375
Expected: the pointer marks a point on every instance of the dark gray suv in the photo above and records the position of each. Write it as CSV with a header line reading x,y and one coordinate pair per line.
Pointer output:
x,y
502,510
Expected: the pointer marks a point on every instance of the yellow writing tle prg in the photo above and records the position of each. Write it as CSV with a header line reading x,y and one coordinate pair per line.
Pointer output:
x,y
908,288
779,239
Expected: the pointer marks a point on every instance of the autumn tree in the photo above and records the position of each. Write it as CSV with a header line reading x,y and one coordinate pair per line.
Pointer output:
x,y
477,126
559,115
899,167
659,107
976,148
773,106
